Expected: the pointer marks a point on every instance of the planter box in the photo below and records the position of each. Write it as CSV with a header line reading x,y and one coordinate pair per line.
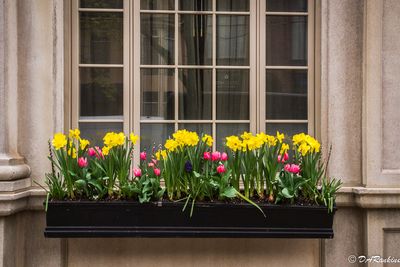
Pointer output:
x,y
166,219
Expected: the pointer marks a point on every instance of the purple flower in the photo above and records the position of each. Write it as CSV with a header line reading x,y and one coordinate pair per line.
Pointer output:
x,y
188,166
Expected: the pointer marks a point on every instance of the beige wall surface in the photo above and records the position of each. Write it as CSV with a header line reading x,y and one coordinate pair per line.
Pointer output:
x,y
360,49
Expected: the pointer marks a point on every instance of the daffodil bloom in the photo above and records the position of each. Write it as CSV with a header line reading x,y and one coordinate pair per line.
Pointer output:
x,y
105,150
246,136
208,140
83,143
59,141
74,133
284,148
133,138
72,152
171,145
280,136
233,142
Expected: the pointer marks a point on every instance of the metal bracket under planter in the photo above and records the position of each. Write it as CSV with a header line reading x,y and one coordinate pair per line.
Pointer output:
x,y
166,219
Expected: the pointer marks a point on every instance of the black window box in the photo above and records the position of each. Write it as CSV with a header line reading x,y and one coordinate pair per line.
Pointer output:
x,y
166,219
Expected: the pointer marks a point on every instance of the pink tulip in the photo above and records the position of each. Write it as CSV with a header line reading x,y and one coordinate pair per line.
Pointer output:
x,y
294,168
287,167
215,156
207,155
285,156
91,152
284,159
221,168
151,164
143,155
224,156
157,172
82,162
137,172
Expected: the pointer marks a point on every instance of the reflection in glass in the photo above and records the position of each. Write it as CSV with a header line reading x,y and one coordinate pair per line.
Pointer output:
x,y
157,93
289,129
287,5
195,35
228,129
153,135
199,128
233,40
195,90
102,4
286,40
157,39
95,131
195,5
232,94
233,5
101,91
101,37
157,4
286,96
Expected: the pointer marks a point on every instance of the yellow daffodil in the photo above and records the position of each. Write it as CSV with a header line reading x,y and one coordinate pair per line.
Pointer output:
x,y
133,138
59,141
284,148
280,136
233,143
171,145
74,133
72,152
208,139
246,136
105,150
83,143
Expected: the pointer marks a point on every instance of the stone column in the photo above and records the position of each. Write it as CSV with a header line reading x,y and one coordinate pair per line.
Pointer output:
x,y
12,164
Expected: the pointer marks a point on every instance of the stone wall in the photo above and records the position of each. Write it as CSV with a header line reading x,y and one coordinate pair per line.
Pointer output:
x,y
359,60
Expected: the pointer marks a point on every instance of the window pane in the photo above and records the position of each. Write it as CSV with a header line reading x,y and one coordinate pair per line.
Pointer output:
x,y
195,5
195,94
95,131
228,129
287,5
101,37
157,4
289,129
287,40
232,94
157,94
195,36
233,40
157,39
101,92
154,135
199,128
233,5
102,4
286,96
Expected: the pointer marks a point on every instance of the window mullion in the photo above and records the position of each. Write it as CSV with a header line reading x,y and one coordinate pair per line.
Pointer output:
x,y
214,73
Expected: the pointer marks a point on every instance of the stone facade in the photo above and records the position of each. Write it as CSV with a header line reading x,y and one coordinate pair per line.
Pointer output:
x,y
358,46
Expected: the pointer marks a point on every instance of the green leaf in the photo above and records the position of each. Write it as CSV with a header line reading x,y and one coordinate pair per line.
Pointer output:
x,y
286,194
229,192
80,184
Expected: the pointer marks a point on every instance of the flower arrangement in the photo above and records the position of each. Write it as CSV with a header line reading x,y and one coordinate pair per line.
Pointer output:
x,y
254,168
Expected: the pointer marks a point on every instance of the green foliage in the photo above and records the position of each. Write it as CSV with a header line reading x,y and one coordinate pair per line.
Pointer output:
x,y
289,186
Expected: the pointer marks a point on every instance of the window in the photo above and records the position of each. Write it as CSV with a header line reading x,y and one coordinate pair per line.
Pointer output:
x,y
215,66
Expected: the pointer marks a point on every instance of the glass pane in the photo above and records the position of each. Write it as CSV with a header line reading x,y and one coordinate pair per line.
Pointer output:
x,y
157,94
287,5
232,94
157,4
286,96
195,5
233,5
287,40
199,128
195,36
288,129
102,4
101,37
101,92
153,135
95,131
233,40
157,39
195,94
228,129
